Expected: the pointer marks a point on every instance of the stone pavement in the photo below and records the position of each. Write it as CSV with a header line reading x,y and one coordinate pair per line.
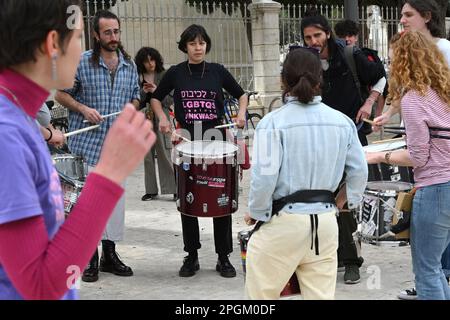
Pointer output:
x,y
153,247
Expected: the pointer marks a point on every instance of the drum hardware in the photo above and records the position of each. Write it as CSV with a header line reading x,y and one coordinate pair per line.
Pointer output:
x,y
205,208
384,176
234,204
72,171
204,166
376,216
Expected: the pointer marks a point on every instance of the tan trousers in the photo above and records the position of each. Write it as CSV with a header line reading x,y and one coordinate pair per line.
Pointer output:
x,y
282,246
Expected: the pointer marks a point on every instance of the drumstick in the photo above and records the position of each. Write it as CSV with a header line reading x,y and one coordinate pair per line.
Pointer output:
x,y
180,136
387,140
225,125
81,130
107,116
368,121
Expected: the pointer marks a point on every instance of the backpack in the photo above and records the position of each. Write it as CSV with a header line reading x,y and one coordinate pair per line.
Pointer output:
x,y
363,91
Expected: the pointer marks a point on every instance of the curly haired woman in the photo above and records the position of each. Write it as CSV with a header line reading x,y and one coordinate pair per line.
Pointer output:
x,y
419,79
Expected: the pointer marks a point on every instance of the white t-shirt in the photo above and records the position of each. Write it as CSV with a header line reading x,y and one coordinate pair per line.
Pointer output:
x,y
444,46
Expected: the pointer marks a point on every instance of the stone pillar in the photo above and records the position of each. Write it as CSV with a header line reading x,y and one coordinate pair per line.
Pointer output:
x,y
266,50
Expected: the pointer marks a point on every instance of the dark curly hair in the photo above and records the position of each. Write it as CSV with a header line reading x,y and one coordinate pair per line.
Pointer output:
x,y
24,25
105,14
147,52
346,28
312,18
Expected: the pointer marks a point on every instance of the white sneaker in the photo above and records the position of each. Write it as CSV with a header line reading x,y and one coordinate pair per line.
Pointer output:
x,y
408,294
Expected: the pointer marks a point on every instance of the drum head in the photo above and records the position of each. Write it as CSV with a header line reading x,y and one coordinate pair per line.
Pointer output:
x,y
387,146
389,185
207,149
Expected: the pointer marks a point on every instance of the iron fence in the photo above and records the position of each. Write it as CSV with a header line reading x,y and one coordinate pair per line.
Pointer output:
x,y
377,25
159,24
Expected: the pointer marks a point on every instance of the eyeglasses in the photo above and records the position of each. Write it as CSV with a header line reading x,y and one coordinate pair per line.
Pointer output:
x,y
109,33
310,49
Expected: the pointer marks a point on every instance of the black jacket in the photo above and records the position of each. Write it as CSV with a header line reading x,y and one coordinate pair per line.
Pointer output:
x,y
339,89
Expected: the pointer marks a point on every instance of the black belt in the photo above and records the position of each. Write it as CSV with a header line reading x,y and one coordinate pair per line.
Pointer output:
x,y
305,196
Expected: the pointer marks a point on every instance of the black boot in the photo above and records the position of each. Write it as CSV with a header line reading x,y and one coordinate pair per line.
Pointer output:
x,y
90,274
225,267
110,262
190,265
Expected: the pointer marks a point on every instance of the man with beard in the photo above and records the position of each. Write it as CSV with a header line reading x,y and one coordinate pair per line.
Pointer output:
x,y
340,91
105,81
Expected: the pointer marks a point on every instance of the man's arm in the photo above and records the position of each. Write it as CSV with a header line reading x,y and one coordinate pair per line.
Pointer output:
x,y
52,136
372,74
70,103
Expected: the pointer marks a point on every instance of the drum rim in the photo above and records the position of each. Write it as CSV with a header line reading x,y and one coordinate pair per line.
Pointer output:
x,y
203,156
68,156
391,143
410,185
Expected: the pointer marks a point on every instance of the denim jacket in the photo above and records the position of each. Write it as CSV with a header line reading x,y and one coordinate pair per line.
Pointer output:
x,y
304,147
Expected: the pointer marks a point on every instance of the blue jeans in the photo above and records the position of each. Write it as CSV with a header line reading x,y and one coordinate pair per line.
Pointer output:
x,y
430,236
446,262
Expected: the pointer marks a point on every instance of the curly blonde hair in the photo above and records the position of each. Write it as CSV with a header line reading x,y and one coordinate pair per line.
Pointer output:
x,y
417,64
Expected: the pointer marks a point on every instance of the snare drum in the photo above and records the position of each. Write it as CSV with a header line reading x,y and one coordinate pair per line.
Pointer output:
x,y
207,178
376,215
291,288
72,171
383,176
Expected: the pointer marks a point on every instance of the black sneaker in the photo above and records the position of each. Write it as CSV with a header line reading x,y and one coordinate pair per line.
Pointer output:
x,y
190,266
408,294
225,268
351,275
148,196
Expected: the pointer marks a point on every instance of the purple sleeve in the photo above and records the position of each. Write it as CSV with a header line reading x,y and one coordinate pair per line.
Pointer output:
x,y
18,166
40,268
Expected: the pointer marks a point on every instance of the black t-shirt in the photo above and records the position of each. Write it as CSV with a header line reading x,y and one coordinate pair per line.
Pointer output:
x,y
198,96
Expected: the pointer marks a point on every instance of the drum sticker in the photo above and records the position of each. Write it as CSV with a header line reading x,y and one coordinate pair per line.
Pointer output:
x,y
186,166
369,210
223,201
217,182
190,198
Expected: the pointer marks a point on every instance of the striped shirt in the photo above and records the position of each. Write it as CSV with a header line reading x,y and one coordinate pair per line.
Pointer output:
x,y
94,89
430,156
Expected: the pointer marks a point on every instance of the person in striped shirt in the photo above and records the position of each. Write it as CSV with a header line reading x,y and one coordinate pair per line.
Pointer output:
x,y
422,16
419,80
